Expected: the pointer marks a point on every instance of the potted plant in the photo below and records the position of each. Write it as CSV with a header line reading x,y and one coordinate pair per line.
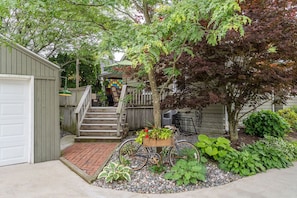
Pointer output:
x,y
156,137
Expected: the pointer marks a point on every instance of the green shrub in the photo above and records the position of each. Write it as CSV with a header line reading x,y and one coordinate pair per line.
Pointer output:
x,y
290,116
271,152
294,108
243,163
114,171
289,148
270,156
266,122
213,147
186,172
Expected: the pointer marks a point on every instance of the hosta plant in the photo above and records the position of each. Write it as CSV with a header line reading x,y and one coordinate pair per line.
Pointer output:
x,y
186,172
114,171
213,147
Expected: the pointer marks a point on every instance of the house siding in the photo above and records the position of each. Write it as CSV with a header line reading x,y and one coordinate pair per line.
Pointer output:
x,y
290,103
17,60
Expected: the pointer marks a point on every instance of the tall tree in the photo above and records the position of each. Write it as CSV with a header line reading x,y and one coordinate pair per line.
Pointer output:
x,y
244,71
147,30
144,29
48,27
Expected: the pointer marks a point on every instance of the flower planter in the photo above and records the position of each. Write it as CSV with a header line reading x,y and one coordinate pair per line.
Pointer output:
x,y
148,142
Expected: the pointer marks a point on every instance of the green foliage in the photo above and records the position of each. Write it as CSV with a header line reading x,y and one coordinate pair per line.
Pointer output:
x,y
270,157
114,171
274,152
186,172
266,122
268,153
243,163
213,147
157,168
155,133
294,108
290,116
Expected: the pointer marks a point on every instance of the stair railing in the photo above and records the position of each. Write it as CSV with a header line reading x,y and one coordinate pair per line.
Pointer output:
x,y
121,109
83,107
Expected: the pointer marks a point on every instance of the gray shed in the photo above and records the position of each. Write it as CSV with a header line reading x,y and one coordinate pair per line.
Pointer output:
x,y
29,107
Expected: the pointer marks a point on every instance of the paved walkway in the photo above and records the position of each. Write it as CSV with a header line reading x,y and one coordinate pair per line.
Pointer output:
x,y
54,180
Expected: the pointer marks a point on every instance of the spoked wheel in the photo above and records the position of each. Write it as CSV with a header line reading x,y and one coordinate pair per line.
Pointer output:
x,y
183,150
133,154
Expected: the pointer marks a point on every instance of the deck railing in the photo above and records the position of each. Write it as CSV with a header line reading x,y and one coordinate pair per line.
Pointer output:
x,y
121,108
83,107
136,97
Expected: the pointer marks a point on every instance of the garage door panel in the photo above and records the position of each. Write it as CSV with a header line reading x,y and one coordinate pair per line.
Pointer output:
x,y
12,88
14,122
12,130
12,109
12,155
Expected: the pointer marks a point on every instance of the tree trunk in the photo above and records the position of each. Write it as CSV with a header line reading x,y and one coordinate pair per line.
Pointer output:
x,y
233,130
156,99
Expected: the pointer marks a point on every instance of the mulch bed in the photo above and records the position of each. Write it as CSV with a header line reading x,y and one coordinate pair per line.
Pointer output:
x,y
244,139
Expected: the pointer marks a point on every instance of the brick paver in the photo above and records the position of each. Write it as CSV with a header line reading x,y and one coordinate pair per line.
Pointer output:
x,y
89,157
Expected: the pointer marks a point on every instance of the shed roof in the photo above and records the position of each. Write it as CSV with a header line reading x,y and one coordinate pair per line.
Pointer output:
x,y
26,51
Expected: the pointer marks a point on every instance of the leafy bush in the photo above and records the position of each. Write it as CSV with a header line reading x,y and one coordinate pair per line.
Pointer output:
x,y
290,116
270,152
294,108
270,156
114,171
243,163
186,172
266,122
288,149
213,147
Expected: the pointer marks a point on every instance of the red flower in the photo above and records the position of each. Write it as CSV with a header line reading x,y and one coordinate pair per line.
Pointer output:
x,y
146,136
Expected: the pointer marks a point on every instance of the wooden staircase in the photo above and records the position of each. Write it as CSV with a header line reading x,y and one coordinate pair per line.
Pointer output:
x,y
100,123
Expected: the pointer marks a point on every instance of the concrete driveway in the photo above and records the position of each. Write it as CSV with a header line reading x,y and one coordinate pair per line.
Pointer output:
x,y
54,180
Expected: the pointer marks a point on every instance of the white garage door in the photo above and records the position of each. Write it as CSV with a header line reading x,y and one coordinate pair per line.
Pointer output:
x,y
15,121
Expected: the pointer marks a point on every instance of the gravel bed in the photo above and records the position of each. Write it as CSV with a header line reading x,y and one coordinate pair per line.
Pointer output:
x,y
145,181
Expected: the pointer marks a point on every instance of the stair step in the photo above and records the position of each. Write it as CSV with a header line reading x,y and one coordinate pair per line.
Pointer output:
x,y
99,131
96,138
100,115
88,124
102,109
103,119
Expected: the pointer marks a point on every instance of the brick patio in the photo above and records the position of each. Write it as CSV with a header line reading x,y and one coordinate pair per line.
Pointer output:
x,y
89,157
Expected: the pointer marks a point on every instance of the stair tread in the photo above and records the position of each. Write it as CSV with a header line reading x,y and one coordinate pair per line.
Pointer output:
x,y
98,130
96,113
91,124
107,119
99,137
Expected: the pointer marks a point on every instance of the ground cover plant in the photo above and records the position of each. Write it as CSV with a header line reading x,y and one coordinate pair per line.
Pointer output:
x,y
115,171
187,172
270,152
214,148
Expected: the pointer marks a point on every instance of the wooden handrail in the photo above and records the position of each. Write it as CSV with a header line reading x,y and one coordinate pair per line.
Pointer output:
x,y
121,108
83,107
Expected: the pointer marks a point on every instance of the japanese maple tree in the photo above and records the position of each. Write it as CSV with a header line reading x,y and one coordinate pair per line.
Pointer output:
x,y
242,71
